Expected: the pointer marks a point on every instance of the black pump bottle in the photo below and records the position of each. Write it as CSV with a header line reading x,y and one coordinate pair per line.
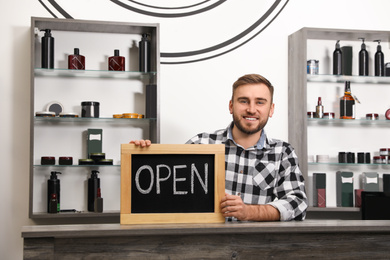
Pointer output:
x,y
47,57
93,186
337,60
363,59
379,60
144,53
53,187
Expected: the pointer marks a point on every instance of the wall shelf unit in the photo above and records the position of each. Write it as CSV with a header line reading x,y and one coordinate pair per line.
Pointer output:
x,y
303,90
117,92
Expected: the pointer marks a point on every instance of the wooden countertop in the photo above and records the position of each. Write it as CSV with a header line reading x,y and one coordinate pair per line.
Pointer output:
x,y
306,226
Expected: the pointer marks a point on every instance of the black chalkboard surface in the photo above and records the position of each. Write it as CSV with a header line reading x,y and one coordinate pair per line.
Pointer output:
x,y
172,183
166,183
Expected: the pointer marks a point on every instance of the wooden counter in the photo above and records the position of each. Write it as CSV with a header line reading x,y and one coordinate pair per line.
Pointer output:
x,y
336,239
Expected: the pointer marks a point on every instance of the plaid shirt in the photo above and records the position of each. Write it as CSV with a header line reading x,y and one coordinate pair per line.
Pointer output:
x,y
267,173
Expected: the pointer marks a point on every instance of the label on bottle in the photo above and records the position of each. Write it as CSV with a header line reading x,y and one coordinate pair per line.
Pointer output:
x,y
347,108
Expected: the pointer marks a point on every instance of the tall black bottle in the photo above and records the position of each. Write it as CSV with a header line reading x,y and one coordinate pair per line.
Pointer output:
x,y
144,54
53,187
337,60
93,186
47,51
379,60
363,60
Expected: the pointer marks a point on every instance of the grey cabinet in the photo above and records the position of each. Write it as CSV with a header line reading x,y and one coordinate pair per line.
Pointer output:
x,y
118,92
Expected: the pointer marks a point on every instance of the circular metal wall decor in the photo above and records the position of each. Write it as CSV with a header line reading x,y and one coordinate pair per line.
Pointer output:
x,y
191,30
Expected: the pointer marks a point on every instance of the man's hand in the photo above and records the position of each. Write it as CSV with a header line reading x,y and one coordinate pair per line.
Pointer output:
x,y
233,206
142,143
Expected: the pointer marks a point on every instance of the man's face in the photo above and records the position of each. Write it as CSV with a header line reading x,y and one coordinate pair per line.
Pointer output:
x,y
251,107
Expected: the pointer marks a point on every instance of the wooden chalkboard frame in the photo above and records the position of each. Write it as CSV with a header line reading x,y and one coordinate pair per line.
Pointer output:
x,y
127,150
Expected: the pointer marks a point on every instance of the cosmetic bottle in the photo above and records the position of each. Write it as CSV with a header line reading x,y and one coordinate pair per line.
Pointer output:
x,y
53,187
76,61
319,109
99,202
47,51
116,62
347,103
379,60
363,60
93,186
337,59
144,54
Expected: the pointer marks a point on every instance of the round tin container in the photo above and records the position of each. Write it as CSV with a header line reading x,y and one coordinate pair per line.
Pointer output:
x,y
310,114
69,115
90,109
97,156
387,114
86,162
105,162
65,160
372,116
45,114
48,160
130,115
329,115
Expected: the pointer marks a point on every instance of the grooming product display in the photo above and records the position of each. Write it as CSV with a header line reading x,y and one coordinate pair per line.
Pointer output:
x,y
47,50
116,62
347,103
363,59
90,109
76,61
337,59
53,187
379,60
319,109
144,53
93,186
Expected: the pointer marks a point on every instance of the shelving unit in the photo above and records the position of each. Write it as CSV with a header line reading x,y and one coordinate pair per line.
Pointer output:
x,y
303,90
117,91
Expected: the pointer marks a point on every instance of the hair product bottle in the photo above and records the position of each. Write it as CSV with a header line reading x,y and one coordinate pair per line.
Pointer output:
x,y
144,53
363,59
337,59
116,62
76,61
319,109
347,103
379,60
93,186
47,51
53,191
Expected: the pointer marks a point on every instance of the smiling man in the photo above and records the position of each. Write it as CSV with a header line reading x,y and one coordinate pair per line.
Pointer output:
x,y
263,179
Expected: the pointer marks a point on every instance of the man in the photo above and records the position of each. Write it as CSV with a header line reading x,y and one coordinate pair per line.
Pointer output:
x,y
263,179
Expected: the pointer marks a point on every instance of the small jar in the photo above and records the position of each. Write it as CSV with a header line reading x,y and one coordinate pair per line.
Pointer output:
x,y
372,116
130,115
48,160
387,114
65,160
310,114
380,159
45,114
329,115
384,151
86,162
70,115
312,67
105,162
90,109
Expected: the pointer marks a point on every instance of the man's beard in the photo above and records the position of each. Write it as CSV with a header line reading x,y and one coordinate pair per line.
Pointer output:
x,y
245,129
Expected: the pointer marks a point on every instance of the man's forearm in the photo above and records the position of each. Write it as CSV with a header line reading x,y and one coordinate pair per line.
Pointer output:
x,y
262,213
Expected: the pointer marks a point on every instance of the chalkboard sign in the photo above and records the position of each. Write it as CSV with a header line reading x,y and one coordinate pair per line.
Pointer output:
x,y
172,183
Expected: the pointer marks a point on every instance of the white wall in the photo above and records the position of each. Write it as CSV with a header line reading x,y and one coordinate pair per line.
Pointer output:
x,y
194,96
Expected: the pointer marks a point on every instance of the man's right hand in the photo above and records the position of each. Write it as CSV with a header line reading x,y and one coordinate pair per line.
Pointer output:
x,y
142,143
